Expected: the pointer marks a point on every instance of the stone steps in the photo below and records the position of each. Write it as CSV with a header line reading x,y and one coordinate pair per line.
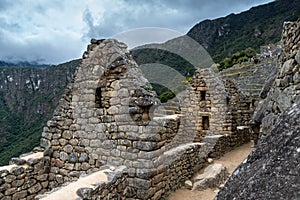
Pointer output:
x,y
171,107
250,78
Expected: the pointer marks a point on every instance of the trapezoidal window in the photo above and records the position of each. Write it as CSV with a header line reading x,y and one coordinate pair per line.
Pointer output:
x,y
98,96
203,95
205,122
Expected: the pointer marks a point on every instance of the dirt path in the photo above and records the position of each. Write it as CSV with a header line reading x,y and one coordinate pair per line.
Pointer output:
x,y
231,160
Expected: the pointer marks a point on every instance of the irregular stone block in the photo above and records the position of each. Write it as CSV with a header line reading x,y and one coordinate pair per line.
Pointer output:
x,y
212,177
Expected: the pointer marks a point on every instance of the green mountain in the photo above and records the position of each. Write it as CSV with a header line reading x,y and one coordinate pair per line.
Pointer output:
x,y
258,26
28,96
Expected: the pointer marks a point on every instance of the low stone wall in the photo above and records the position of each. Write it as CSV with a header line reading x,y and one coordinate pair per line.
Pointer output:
x,y
172,168
108,183
220,144
27,180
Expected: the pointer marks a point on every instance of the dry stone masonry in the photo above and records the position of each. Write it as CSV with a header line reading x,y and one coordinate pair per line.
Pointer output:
x,y
214,111
105,128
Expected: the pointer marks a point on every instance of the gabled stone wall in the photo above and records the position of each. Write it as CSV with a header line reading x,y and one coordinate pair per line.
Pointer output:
x,y
215,106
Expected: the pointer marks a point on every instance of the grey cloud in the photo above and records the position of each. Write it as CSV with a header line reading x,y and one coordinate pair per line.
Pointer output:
x,y
179,15
4,25
28,37
5,4
92,29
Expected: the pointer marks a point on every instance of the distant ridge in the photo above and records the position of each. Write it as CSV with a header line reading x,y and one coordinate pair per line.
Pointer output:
x,y
22,64
258,26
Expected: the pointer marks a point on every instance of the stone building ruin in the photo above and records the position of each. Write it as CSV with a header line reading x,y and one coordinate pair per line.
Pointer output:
x,y
105,128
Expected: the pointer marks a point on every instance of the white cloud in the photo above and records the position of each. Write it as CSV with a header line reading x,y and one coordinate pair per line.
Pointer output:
x,y
54,31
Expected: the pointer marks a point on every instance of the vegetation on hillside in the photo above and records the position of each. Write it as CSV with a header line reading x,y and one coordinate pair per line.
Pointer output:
x,y
238,57
25,108
170,60
253,28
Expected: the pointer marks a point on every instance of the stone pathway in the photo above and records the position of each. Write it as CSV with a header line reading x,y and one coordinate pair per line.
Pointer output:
x,y
231,160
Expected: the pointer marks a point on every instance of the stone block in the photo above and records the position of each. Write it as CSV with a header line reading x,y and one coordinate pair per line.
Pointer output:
x,y
19,195
10,191
139,183
35,189
145,146
129,156
68,148
67,134
63,156
212,177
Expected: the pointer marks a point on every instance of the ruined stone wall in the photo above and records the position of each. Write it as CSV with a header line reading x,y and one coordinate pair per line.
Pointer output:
x,y
214,111
106,119
25,180
107,183
212,107
240,107
205,99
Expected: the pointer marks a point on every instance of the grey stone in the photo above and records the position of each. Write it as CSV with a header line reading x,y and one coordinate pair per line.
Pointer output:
x,y
84,193
85,166
17,170
48,152
287,67
73,158
35,188
18,161
188,184
83,157
17,183
45,143
74,174
10,178
297,57
213,176
20,195
63,156
68,148
67,134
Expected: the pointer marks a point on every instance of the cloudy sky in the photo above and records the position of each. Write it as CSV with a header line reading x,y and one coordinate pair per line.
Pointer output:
x,y
55,31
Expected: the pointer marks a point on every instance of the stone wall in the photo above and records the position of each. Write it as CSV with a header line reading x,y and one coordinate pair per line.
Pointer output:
x,y
108,183
212,106
27,179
